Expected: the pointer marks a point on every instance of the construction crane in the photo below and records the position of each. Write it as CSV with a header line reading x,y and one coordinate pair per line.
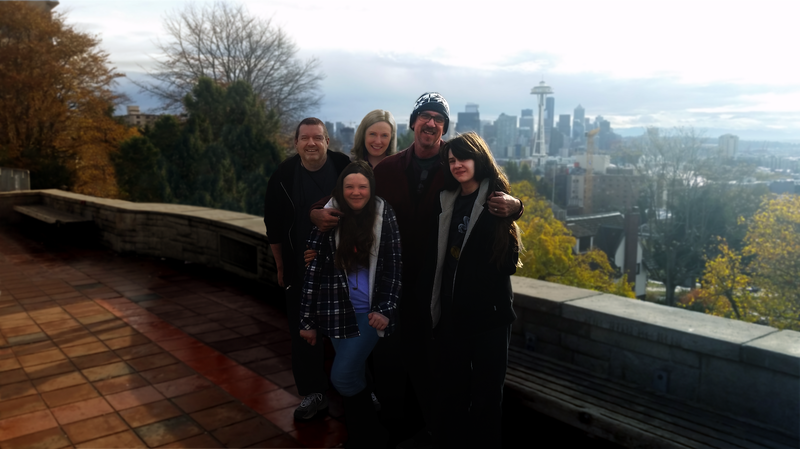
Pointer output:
x,y
587,183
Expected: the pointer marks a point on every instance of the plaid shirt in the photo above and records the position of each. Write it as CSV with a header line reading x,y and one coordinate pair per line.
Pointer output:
x,y
326,297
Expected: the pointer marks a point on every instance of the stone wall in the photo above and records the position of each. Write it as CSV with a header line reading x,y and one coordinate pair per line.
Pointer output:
x,y
232,241
746,370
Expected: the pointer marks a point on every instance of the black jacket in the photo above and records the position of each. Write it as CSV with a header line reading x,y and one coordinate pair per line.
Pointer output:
x,y
279,210
481,291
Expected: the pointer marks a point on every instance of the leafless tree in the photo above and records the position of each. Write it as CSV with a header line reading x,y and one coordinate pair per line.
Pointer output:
x,y
224,42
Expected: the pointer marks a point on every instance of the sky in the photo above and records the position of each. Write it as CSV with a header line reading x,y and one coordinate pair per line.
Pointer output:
x,y
718,66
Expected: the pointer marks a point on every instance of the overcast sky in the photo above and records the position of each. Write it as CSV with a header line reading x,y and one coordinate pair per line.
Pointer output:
x,y
719,66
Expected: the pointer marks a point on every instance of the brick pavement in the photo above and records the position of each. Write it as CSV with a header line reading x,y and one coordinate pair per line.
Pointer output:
x,y
99,349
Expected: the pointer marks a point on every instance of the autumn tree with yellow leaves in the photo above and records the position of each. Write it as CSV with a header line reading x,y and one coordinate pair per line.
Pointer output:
x,y
769,261
56,102
548,254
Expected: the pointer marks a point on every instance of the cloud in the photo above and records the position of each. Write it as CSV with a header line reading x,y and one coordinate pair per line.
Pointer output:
x,y
357,83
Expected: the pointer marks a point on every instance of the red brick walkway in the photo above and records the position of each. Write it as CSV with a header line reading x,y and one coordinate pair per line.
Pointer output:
x,y
104,350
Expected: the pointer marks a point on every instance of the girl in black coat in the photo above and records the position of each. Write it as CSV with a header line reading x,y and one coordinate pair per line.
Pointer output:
x,y
476,254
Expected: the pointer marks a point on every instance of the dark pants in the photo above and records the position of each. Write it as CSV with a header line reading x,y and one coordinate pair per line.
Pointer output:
x,y
470,373
308,362
404,381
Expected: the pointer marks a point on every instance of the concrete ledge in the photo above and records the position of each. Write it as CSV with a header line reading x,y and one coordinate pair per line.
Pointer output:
x,y
744,370
779,351
189,233
682,328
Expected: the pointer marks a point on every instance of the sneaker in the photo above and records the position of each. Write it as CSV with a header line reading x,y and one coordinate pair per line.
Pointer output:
x,y
311,406
375,402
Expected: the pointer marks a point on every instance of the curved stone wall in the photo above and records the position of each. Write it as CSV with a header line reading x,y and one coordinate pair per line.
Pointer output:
x,y
233,241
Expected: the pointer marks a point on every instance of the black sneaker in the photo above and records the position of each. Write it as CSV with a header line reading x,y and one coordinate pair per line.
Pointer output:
x,y
312,405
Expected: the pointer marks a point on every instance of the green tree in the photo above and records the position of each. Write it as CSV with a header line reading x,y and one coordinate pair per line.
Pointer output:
x,y
512,172
141,175
221,157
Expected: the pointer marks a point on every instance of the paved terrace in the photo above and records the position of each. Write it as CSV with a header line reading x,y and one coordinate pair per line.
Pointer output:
x,y
103,350
99,349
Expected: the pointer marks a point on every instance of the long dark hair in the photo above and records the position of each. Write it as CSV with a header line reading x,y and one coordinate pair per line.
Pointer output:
x,y
471,146
356,235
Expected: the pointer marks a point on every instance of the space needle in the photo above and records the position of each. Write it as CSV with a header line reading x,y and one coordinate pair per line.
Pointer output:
x,y
538,153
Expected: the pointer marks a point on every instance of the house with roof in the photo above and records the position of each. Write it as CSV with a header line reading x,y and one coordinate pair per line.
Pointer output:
x,y
617,235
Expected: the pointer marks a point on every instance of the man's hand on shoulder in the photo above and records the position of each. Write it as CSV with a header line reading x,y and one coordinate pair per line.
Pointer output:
x,y
503,205
325,219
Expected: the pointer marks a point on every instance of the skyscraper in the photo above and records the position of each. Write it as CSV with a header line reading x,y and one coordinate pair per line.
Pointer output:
x,y
506,134
563,125
729,144
470,120
525,130
578,124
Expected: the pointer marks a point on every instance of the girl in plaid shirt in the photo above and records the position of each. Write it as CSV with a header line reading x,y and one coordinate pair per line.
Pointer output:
x,y
351,291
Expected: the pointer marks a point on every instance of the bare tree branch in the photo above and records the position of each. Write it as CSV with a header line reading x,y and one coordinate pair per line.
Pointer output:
x,y
224,42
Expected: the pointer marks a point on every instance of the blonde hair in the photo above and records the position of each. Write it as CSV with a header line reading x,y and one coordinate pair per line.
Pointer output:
x,y
359,142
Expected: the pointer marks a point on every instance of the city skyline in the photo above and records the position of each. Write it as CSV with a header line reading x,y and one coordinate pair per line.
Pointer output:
x,y
718,70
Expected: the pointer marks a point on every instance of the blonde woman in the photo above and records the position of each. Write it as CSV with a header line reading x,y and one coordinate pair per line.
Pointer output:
x,y
376,138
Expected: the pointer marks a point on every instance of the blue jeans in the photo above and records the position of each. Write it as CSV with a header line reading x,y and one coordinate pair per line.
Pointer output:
x,y
349,365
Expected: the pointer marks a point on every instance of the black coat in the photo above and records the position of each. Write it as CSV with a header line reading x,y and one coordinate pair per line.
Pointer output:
x,y
279,213
481,292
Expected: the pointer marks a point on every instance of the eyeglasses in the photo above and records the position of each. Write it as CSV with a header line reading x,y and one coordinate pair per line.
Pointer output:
x,y
425,117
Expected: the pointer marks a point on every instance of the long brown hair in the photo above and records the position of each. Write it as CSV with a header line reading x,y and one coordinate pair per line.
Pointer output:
x,y
471,146
356,235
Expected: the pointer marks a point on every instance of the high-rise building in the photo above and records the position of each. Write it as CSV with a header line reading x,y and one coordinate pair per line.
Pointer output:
x,y
578,124
549,116
729,145
331,130
556,142
563,125
506,135
489,133
525,130
346,136
470,120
